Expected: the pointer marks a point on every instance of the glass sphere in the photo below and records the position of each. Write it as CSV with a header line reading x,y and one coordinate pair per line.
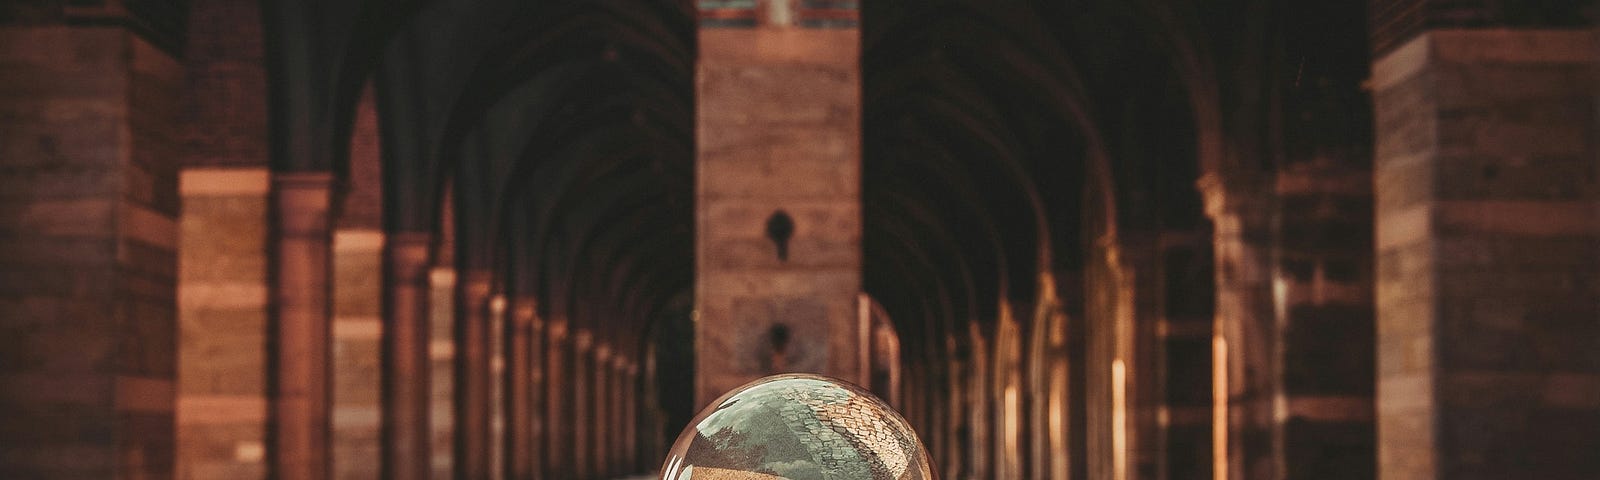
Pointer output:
x,y
798,427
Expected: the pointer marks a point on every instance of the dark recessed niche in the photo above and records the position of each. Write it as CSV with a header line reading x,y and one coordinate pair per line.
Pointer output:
x,y
779,229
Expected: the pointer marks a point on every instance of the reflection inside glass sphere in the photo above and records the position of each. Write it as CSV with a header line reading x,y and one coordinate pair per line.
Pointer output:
x,y
799,427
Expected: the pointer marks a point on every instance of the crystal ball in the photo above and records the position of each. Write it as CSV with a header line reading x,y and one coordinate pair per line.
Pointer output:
x,y
798,427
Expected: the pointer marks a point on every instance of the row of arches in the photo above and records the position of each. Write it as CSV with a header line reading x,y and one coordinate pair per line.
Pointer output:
x,y
1035,227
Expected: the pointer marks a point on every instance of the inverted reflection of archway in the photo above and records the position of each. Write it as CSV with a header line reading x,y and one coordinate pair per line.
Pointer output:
x,y
884,374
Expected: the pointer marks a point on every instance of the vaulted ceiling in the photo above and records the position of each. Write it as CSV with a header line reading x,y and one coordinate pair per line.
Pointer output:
x,y
998,143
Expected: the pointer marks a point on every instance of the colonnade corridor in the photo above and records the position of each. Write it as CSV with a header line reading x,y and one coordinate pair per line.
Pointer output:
x,y
531,239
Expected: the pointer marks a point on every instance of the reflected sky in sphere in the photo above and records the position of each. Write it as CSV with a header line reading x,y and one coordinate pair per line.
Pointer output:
x,y
798,427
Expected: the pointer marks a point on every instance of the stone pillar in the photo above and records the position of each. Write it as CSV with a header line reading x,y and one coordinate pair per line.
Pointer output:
x,y
357,335
637,416
1006,390
601,424
1135,369
441,356
301,284
559,421
88,198
1245,333
499,316
977,403
1323,288
953,458
222,312
1488,237
778,205
580,395
518,397
406,370
620,396
1124,347
472,377
538,422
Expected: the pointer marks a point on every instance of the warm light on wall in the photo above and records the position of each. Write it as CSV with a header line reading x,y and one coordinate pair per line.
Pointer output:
x,y
1119,420
1013,415
1219,407
1058,421
864,340
497,305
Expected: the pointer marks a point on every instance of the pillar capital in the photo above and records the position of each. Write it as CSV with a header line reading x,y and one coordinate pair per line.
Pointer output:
x,y
475,282
557,329
582,340
302,202
409,255
498,304
303,180
1235,193
524,309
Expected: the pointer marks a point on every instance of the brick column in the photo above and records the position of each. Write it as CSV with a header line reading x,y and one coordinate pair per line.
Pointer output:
x,y
519,394
1488,237
1245,333
301,285
472,376
499,316
1006,390
778,204
976,367
88,197
357,335
1143,350
636,418
406,370
1323,289
621,396
601,424
952,458
580,396
222,310
537,414
557,404
441,357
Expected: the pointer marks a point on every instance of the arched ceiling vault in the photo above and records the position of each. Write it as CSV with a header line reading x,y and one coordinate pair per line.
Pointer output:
x,y
319,54
996,140
1041,120
566,130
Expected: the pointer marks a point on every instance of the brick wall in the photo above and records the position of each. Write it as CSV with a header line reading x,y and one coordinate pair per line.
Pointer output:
x,y
1394,22
1488,242
87,295
779,130
225,98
